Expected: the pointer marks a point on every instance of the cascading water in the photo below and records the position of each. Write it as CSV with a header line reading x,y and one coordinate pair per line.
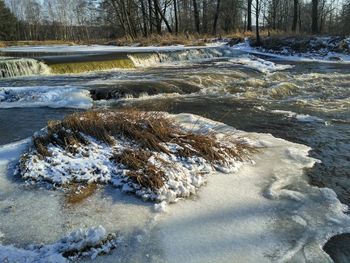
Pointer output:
x,y
14,67
152,59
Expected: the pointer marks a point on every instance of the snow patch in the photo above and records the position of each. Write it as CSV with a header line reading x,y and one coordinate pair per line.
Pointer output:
x,y
324,56
53,97
78,244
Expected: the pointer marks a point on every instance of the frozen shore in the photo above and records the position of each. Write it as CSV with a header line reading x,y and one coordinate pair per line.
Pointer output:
x,y
318,49
265,212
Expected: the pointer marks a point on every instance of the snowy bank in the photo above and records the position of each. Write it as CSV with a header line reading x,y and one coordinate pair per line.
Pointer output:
x,y
321,49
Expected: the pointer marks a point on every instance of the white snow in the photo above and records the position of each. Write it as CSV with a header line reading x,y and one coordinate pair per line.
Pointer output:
x,y
300,57
97,48
80,243
49,96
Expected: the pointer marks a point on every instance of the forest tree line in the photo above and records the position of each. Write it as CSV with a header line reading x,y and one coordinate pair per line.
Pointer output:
x,y
108,19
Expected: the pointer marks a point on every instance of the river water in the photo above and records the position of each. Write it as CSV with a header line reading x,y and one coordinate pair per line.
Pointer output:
x,y
307,103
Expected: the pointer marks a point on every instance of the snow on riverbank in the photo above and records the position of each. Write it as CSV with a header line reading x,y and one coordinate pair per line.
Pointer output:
x,y
316,56
53,97
265,212
98,48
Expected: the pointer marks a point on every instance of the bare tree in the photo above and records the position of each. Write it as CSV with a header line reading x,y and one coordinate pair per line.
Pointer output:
x,y
196,16
295,15
249,14
216,17
314,26
257,15
176,18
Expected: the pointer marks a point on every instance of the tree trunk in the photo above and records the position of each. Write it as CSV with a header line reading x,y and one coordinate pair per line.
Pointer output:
x,y
314,27
249,24
257,13
216,18
176,18
205,17
158,19
159,10
196,16
150,16
144,18
295,15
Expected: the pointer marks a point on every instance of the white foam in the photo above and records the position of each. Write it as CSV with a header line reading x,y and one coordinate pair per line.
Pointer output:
x,y
53,97
259,64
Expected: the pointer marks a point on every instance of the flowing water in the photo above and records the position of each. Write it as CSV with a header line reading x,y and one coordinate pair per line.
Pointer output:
x,y
308,103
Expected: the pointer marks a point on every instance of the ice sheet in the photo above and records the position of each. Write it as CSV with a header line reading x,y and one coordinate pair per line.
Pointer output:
x,y
41,96
266,212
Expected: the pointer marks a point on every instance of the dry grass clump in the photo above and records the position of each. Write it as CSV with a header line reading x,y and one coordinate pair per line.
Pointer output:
x,y
58,135
148,131
141,171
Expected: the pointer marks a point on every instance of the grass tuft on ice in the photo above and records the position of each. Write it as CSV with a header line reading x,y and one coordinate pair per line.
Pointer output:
x,y
143,152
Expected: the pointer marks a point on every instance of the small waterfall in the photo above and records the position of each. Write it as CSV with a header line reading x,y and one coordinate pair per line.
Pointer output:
x,y
153,59
14,67
87,66
145,59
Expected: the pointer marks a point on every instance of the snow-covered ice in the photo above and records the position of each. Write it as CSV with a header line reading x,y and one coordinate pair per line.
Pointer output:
x,y
80,243
97,48
50,96
265,213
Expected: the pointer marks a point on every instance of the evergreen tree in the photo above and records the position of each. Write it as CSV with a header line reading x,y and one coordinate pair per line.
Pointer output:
x,y
7,23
